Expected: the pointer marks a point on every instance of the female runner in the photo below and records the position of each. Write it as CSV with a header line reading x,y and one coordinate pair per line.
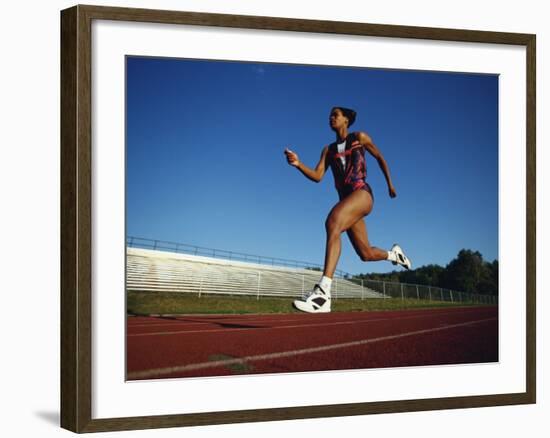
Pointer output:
x,y
346,158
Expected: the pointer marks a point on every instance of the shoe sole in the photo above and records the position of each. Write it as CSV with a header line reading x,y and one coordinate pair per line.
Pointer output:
x,y
309,310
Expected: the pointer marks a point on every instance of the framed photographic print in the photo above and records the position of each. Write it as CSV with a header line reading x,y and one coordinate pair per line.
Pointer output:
x,y
198,263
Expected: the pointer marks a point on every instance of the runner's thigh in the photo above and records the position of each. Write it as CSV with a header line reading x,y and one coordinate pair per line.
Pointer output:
x,y
350,209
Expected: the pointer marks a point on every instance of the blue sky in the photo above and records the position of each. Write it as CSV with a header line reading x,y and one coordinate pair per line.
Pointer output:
x,y
205,162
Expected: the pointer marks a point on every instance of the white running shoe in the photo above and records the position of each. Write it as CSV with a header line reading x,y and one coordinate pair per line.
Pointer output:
x,y
317,301
402,259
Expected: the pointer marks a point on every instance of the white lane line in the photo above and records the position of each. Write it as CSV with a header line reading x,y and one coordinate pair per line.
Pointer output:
x,y
243,319
214,322
284,327
147,374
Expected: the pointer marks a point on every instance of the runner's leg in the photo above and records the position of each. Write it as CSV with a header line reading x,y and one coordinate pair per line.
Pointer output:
x,y
342,217
358,237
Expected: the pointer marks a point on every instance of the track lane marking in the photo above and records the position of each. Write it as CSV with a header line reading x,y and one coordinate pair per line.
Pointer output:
x,y
213,322
272,317
324,324
242,361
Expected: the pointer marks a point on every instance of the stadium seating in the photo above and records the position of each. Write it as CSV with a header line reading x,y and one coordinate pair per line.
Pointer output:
x,y
153,270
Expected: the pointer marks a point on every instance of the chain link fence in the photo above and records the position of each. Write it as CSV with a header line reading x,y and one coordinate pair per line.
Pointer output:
x,y
421,292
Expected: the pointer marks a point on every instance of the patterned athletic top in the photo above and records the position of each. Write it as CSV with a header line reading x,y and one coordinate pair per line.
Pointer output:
x,y
353,175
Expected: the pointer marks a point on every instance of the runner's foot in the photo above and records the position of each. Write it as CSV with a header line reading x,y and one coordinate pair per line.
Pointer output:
x,y
318,301
401,258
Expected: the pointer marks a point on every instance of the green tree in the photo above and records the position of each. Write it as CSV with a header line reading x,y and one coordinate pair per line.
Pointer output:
x,y
464,272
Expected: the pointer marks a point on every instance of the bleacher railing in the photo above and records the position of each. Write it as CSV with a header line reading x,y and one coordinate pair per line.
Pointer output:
x,y
164,245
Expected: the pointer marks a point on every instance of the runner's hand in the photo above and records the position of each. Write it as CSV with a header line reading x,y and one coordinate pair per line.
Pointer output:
x,y
392,191
292,158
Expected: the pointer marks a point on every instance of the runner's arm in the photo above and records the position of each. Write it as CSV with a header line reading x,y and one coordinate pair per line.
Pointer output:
x,y
368,144
316,174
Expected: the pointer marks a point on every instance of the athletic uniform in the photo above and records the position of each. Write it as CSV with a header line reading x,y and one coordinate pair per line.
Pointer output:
x,y
349,168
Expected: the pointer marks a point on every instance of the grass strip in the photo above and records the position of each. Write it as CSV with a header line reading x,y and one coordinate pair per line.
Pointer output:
x,y
174,303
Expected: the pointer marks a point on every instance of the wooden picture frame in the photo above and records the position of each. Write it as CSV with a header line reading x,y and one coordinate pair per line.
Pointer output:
x,y
76,218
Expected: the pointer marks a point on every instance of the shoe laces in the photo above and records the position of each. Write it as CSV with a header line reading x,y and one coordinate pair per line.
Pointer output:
x,y
316,290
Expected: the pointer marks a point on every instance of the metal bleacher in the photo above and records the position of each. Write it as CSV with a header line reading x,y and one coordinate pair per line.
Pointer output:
x,y
164,271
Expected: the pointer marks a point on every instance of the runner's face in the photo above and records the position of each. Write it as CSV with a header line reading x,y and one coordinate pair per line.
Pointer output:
x,y
337,119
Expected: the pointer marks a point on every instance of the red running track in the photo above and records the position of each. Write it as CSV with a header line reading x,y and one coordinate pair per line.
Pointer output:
x,y
214,345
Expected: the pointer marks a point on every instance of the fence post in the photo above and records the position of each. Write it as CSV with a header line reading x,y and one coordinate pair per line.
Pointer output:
x,y
200,286
452,301
384,289
362,290
155,245
430,292
259,280
335,288
441,290
417,293
402,297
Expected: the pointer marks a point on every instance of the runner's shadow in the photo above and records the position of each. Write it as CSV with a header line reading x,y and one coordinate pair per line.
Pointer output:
x,y
228,325
213,322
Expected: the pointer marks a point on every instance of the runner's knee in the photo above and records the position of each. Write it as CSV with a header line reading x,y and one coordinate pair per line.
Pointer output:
x,y
333,226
